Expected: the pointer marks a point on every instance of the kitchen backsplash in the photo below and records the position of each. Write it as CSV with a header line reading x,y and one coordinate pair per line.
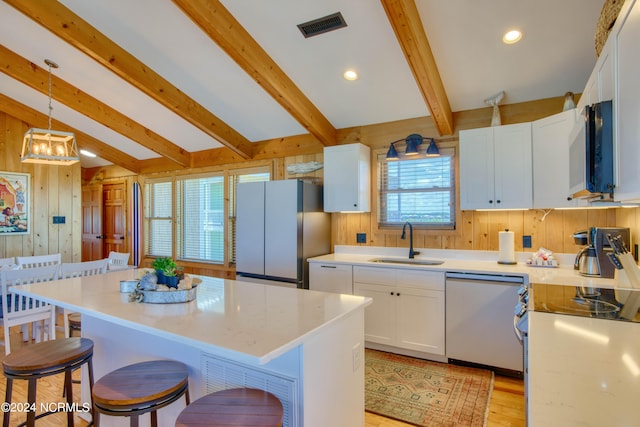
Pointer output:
x,y
478,230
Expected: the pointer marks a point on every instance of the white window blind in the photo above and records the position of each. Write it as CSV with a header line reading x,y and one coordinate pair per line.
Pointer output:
x,y
235,177
158,218
421,191
200,218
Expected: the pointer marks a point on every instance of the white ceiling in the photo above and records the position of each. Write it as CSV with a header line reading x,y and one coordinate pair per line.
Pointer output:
x,y
556,55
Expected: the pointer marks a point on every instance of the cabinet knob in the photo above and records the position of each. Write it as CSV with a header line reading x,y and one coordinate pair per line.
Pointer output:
x,y
355,205
398,294
490,201
497,201
391,293
569,198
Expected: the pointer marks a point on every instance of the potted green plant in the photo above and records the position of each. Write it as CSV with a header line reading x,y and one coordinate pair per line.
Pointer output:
x,y
164,267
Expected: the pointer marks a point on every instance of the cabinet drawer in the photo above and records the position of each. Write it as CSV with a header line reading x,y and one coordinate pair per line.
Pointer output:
x,y
379,276
327,277
433,280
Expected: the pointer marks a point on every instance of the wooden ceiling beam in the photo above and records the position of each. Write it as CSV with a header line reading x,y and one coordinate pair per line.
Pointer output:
x,y
71,28
407,25
216,21
84,141
36,77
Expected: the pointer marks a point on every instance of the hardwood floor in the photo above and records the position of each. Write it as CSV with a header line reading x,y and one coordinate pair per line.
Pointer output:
x,y
505,410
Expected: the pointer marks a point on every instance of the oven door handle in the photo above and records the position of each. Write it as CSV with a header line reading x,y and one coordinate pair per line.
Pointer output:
x,y
516,330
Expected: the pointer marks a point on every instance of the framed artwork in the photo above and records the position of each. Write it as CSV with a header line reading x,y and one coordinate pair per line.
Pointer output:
x,y
14,203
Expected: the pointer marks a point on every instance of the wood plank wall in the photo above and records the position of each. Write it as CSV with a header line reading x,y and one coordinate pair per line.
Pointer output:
x,y
55,190
475,231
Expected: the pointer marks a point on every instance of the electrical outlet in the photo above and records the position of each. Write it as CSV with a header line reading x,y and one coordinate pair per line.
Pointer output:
x,y
361,237
526,241
357,357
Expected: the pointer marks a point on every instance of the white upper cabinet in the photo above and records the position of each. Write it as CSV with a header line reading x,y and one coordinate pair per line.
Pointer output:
x,y
601,84
625,37
495,167
347,178
550,141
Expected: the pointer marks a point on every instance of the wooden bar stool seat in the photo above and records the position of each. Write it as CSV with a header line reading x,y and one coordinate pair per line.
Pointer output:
x,y
75,322
238,407
136,389
43,359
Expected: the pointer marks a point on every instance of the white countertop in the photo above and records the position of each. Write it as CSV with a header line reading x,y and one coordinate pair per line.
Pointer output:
x,y
583,371
482,262
245,321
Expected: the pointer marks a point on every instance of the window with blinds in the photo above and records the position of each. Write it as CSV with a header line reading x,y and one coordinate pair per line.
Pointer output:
x,y
235,177
421,191
200,218
158,218
199,226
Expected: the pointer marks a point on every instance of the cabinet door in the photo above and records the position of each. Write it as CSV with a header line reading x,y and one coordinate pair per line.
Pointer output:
x,y
380,315
420,317
346,178
476,169
628,108
328,277
551,159
513,169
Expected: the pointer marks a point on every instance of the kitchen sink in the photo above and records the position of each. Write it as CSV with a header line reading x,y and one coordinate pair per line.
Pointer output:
x,y
407,261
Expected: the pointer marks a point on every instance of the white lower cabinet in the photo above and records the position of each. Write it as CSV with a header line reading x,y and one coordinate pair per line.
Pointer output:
x,y
329,277
407,310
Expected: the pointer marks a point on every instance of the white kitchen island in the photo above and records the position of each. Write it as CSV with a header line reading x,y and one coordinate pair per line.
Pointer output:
x,y
306,347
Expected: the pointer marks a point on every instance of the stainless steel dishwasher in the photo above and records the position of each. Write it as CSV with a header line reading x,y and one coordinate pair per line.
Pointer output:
x,y
479,320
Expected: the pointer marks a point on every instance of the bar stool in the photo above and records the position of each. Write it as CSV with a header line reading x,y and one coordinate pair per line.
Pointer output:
x,y
43,359
136,389
234,407
75,322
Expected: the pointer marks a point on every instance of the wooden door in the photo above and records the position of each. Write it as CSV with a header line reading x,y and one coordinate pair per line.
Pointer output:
x,y
92,222
114,227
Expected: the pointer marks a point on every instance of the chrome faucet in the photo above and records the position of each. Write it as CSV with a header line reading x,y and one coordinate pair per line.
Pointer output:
x,y
412,253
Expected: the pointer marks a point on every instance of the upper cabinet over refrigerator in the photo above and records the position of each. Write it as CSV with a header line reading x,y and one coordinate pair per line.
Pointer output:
x,y
279,225
347,178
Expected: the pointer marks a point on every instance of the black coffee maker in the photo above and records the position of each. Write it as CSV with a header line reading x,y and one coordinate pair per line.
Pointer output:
x,y
598,240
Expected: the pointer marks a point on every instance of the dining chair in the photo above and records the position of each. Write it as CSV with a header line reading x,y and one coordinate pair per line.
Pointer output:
x,y
7,261
20,310
38,260
24,262
118,260
79,269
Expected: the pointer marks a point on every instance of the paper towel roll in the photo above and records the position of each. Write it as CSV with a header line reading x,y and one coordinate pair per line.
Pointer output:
x,y
506,244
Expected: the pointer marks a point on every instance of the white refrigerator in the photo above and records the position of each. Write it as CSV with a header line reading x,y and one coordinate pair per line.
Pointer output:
x,y
279,225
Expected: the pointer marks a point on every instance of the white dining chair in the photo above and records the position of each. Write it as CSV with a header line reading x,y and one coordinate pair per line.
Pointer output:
x,y
19,310
7,261
38,260
79,269
24,262
118,260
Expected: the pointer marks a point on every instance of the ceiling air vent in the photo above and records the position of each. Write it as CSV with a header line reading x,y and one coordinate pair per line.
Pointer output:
x,y
322,25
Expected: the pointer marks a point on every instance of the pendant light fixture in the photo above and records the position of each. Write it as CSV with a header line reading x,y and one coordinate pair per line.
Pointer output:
x,y
46,146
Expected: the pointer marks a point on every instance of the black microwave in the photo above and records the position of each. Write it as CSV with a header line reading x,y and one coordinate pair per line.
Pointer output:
x,y
591,161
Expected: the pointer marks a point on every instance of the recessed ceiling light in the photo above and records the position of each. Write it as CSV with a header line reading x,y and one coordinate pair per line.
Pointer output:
x,y
350,75
87,153
512,36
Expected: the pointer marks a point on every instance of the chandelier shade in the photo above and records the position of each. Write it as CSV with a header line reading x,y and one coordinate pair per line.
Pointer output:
x,y
46,146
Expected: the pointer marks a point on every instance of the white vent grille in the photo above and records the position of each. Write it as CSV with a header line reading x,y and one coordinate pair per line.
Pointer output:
x,y
221,375
322,25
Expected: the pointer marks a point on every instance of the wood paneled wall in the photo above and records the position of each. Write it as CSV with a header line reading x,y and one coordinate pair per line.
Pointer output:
x,y
475,230
55,190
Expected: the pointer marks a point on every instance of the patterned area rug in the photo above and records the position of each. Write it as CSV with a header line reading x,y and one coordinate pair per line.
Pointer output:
x,y
425,393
